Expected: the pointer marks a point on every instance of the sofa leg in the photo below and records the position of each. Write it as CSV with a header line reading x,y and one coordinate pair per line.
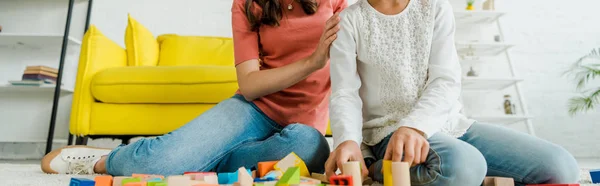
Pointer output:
x,y
81,140
125,140
70,141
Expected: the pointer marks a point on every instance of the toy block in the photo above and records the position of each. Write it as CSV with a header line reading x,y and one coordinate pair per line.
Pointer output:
x,y
595,174
211,179
155,182
307,180
118,180
244,178
263,179
179,180
200,175
320,177
103,180
292,160
227,178
274,174
81,182
266,166
387,173
135,184
341,180
291,176
130,180
161,184
205,184
267,183
400,174
498,181
353,168
573,184
146,177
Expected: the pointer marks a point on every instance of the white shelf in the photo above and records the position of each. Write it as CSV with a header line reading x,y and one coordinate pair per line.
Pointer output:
x,y
476,17
482,48
35,41
483,84
501,119
44,88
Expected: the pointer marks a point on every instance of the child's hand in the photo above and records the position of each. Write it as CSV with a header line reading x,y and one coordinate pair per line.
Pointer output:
x,y
411,143
346,151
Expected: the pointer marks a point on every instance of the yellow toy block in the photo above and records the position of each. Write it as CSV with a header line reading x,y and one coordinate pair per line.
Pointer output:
x,y
292,160
387,173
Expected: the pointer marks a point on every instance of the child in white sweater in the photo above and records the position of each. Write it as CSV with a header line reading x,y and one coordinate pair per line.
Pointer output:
x,y
396,83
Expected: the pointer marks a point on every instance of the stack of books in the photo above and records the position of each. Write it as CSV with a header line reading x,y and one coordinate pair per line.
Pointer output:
x,y
37,76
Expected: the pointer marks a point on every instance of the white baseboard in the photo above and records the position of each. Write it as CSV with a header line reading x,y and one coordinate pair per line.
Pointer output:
x,y
26,150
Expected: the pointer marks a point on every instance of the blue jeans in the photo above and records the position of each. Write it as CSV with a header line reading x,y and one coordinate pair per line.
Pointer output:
x,y
488,150
232,134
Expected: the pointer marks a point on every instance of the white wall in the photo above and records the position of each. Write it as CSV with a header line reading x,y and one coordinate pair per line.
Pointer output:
x,y
549,34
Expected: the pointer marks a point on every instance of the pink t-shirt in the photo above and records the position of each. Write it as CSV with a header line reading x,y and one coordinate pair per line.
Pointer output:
x,y
296,38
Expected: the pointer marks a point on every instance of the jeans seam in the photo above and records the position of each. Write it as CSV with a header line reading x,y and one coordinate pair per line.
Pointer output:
x,y
219,156
440,169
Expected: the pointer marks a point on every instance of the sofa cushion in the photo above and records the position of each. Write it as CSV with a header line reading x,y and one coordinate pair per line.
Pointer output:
x,y
142,46
178,50
172,84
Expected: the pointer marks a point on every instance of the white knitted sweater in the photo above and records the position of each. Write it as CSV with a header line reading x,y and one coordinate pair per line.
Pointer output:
x,y
397,70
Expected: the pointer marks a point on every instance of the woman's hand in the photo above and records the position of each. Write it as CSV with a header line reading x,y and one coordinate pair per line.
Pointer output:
x,y
410,142
346,151
321,55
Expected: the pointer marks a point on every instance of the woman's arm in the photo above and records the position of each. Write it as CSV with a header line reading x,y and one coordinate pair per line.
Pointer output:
x,y
255,83
443,86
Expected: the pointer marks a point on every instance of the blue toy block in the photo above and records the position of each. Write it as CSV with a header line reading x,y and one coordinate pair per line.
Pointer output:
x,y
81,182
264,180
155,180
228,178
595,174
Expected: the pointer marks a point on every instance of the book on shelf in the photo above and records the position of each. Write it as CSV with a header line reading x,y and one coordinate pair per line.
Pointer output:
x,y
42,68
44,73
30,83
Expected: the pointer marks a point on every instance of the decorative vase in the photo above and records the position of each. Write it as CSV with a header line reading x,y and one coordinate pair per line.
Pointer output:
x,y
472,73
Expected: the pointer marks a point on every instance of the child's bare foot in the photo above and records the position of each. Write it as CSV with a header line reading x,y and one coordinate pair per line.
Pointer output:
x,y
75,160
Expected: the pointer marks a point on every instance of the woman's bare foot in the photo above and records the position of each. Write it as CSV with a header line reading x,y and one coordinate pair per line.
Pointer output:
x,y
75,160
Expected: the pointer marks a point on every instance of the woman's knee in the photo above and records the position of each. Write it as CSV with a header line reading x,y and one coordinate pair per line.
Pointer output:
x,y
309,144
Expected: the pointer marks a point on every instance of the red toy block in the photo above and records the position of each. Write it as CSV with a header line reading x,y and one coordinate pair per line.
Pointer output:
x,y
341,180
571,184
103,180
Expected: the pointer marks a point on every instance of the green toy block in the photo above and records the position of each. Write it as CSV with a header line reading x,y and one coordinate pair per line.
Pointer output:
x,y
161,184
130,180
291,176
156,183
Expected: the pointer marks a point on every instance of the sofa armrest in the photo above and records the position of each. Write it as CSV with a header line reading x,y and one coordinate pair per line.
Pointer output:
x,y
97,53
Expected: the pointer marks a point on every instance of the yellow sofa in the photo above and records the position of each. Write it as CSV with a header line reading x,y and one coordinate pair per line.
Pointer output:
x,y
144,91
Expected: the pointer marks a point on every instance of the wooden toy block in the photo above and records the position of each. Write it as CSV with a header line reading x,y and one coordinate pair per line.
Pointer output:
x,y
341,180
155,183
263,179
130,180
498,181
291,176
205,184
146,177
274,174
264,167
400,174
267,183
118,180
211,179
308,180
81,182
595,174
103,180
387,173
135,184
161,184
244,178
320,177
200,175
573,184
292,160
179,180
196,182
227,178
353,168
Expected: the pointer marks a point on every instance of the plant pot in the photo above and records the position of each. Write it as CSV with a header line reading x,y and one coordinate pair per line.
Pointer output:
x,y
470,7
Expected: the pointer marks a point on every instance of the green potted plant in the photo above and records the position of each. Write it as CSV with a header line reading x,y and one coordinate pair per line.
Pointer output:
x,y
470,4
584,71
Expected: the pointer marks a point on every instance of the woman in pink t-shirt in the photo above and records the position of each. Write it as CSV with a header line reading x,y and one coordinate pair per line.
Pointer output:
x,y
281,56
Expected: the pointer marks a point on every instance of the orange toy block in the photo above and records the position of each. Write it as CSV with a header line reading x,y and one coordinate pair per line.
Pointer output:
x,y
498,181
135,184
103,180
341,180
264,167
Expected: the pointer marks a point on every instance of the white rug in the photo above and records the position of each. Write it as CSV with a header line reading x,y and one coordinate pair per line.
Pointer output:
x,y
31,175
